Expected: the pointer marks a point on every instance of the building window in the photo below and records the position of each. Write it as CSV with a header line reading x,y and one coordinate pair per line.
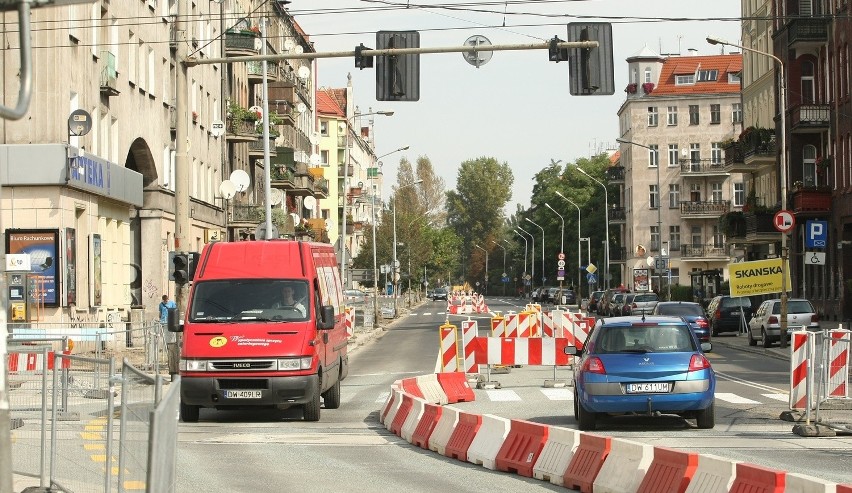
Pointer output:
x,y
695,192
716,192
716,153
733,78
715,114
673,155
684,80
737,113
718,237
693,114
671,116
654,155
655,238
674,196
695,153
653,116
324,128
324,158
739,194
674,238
696,236
807,82
653,196
809,165
648,75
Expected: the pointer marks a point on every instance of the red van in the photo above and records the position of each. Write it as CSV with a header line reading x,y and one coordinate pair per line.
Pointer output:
x,y
263,327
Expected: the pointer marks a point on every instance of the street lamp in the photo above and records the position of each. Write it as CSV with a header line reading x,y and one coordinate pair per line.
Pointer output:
x,y
606,221
542,249
561,245
486,267
345,192
659,211
518,232
782,106
579,259
395,261
504,266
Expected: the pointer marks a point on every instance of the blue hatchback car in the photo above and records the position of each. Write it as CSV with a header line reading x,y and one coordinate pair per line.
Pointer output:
x,y
643,366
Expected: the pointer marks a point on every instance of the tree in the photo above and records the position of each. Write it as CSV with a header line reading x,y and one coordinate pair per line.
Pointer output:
x,y
475,207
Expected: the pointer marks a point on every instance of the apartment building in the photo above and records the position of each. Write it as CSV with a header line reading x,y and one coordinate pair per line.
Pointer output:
x,y
672,188
89,171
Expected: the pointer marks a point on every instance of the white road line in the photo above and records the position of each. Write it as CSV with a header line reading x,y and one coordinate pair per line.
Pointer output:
x,y
734,398
747,382
558,394
383,397
503,395
778,397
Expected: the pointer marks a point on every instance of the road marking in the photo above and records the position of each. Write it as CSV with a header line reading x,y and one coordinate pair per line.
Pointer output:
x,y
734,398
778,397
503,395
558,394
383,397
748,383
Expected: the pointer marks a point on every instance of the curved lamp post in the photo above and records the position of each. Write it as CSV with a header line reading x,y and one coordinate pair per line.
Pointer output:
x,y
532,256
562,244
526,245
542,248
579,239
486,267
606,221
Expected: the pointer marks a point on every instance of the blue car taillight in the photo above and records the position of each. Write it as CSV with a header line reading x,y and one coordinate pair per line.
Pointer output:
x,y
698,362
594,365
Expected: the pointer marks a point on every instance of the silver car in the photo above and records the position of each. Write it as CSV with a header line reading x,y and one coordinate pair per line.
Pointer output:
x,y
765,325
644,304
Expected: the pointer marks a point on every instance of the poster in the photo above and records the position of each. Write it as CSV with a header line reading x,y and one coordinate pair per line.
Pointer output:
x,y
757,277
70,266
96,295
42,245
640,280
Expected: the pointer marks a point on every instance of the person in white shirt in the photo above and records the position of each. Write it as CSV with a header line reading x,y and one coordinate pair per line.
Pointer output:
x,y
289,301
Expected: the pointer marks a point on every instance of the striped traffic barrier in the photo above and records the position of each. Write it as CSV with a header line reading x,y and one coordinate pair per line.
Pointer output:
x,y
456,387
522,447
413,419
806,484
449,348
34,362
463,434
511,326
411,386
390,407
714,474
489,439
801,348
520,351
670,472
349,320
624,467
498,326
556,455
470,330
426,426
401,414
586,462
431,389
838,363
443,430
751,478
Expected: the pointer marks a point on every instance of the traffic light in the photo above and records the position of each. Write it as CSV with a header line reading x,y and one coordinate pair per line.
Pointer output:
x,y
555,53
590,69
179,267
362,61
398,76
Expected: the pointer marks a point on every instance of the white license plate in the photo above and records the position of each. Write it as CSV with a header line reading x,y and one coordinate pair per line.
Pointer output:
x,y
243,394
641,388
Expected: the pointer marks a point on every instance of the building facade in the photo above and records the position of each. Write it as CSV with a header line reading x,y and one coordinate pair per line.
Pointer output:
x,y
679,112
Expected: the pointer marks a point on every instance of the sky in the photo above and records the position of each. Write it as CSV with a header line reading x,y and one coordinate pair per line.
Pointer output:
x,y
517,107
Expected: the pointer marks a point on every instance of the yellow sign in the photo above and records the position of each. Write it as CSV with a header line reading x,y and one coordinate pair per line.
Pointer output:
x,y
591,268
218,341
758,277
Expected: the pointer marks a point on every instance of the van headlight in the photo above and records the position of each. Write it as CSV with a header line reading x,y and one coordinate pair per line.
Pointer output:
x,y
192,365
295,364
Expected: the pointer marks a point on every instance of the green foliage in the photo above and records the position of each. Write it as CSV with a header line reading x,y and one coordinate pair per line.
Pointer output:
x,y
237,112
681,293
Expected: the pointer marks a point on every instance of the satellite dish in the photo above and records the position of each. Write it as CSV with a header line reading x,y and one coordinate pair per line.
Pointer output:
x,y
227,189
477,58
309,202
313,138
289,45
315,159
329,224
295,218
299,49
276,195
650,261
301,106
240,180
304,72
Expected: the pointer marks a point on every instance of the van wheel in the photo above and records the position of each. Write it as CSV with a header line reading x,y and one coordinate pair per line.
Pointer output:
x,y
331,397
751,340
311,409
189,413
766,342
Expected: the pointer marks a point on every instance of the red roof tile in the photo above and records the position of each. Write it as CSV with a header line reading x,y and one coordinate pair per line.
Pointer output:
x,y
725,64
327,103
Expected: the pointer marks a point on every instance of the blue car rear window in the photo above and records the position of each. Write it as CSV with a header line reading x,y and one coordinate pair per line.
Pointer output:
x,y
644,338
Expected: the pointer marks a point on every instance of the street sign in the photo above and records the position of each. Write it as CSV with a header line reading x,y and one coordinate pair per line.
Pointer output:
x,y
660,263
784,221
592,278
591,269
561,256
560,264
815,258
816,235
217,128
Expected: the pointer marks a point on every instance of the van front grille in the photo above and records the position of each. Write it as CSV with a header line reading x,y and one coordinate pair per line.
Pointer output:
x,y
244,365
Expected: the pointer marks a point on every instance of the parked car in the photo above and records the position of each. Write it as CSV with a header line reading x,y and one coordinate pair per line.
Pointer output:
x,y
625,309
614,306
540,294
594,299
439,294
647,366
569,297
644,303
354,297
554,295
765,325
603,306
728,313
693,313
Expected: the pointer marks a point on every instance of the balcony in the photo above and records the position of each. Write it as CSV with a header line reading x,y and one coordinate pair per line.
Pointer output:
x,y
805,33
241,130
349,171
284,111
704,210
317,226
108,74
255,71
246,215
242,43
703,252
701,167
321,188
255,149
814,200
615,174
281,176
733,226
617,215
760,227
810,118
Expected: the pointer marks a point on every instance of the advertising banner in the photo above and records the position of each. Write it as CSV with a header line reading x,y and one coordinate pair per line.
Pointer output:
x,y
758,277
42,246
640,280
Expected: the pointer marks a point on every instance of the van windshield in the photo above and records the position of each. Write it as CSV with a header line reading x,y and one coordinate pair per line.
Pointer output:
x,y
250,300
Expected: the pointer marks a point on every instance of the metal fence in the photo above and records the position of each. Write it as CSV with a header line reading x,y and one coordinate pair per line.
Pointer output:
x,y
78,425
833,398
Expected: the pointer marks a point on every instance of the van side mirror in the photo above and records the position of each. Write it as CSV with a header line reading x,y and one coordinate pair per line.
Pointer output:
x,y
326,320
173,322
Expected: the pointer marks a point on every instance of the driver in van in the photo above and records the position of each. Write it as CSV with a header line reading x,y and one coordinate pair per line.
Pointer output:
x,y
289,301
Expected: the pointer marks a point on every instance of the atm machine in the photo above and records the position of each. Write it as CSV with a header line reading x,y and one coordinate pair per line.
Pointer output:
x,y
18,298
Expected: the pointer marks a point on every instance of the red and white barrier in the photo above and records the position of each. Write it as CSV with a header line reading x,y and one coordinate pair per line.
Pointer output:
x,y
489,438
470,330
34,362
443,430
449,348
624,467
801,346
520,351
838,366
522,447
556,455
498,326
349,320
713,475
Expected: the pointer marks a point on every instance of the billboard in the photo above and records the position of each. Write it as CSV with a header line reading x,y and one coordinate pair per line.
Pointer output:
x,y
42,246
758,277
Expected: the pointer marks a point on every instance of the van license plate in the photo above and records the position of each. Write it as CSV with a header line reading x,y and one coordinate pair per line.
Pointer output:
x,y
243,394
640,388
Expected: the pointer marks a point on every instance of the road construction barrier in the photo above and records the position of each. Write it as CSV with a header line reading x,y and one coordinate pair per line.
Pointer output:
x,y
801,351
489,439
522,447
431,389
556,454
498,326
413,419
426,426
455,387
470,330
752,479
586,462
670,471
838,363
829,367
443,430
624,467
520,351
465,430
20,362
349,320
713,475
449,349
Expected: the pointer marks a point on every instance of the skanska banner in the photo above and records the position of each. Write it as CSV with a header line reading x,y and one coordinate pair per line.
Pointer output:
x,y
758,277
